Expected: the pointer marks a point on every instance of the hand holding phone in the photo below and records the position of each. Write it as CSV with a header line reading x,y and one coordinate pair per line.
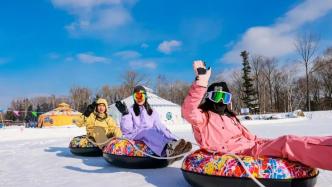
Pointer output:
x,y
202,74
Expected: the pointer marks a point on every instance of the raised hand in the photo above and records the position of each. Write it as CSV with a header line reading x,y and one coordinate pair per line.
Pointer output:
x,y
122,107
90,109
202,74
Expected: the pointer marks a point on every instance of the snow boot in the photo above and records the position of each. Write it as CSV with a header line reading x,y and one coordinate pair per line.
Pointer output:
x,y
175,147
187,147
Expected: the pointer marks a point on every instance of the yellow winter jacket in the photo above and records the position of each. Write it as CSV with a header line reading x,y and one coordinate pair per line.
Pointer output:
x,y
108,124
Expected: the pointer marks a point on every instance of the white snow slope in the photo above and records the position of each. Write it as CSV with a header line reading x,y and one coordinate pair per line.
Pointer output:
x,y
40,157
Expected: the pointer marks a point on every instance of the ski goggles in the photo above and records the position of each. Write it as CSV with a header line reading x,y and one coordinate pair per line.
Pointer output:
x,y
218,96
139,96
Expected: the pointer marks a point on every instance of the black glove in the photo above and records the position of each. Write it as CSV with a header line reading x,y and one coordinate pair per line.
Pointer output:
x,y
90,109
122,107
110,135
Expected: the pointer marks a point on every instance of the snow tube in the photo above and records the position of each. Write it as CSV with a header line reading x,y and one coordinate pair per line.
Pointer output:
x,y
122,153
80,146
202,168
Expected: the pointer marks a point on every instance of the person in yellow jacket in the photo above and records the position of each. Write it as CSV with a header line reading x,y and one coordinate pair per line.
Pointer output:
x,y
96,116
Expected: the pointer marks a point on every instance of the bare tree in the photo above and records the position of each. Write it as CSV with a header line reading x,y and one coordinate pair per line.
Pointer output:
x,y
20,105
174,91
300,96
315,88
289,73
324,74
257,66
81,97
106,93
161,84
280,90
306,46
132,79
48,102
235,87
269,70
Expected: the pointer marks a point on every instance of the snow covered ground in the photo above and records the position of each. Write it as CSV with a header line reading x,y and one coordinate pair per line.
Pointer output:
x,y
40,157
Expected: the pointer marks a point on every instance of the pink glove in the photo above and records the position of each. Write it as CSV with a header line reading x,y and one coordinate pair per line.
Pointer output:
x,y
201,79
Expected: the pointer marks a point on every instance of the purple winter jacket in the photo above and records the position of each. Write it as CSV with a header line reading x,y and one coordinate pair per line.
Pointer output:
x,y
146,128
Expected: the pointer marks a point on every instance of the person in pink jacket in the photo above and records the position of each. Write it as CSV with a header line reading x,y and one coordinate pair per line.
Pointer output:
x,y
216,127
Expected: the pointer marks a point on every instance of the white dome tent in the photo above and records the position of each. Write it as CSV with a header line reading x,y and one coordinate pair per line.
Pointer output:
x,y
169,112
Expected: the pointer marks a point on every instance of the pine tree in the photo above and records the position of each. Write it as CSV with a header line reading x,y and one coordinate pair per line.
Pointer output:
x,y
248,92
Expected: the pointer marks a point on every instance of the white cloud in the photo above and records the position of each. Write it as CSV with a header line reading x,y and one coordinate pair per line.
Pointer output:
x,y
89,58
142,63
278,40
226,75
96,15
127,54
168,47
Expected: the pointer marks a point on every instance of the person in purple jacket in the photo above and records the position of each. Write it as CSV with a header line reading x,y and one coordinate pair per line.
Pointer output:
x,y
142,123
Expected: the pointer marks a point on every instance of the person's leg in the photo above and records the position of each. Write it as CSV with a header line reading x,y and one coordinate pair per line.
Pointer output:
x,y
155,140
311,151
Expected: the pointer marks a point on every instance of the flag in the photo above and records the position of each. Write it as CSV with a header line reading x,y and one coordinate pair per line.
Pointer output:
x,y
34,114
16,113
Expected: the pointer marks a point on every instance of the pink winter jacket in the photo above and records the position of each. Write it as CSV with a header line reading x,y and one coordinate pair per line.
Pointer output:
x,y
213,131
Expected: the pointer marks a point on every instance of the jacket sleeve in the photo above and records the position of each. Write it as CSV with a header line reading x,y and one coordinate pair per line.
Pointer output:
x,y
81,121
87,122
190,110
113,128
246,133
126,124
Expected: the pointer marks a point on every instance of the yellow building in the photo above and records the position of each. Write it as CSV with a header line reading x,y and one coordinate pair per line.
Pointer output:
x,y
60,116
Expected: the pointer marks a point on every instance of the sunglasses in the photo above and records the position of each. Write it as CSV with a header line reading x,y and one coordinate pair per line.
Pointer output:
x,y
139,96
218,96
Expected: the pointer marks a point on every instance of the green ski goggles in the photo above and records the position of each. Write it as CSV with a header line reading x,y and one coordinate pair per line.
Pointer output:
x,y
218,96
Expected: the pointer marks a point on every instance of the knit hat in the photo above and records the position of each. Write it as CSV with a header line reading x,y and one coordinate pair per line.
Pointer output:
x,y
218,86
139,88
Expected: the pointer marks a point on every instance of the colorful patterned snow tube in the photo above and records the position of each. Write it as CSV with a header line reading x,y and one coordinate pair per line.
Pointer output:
x,y
202,168
122,153
80,146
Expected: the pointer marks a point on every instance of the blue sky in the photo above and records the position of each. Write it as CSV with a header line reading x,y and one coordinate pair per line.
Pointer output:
x,y
47,46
